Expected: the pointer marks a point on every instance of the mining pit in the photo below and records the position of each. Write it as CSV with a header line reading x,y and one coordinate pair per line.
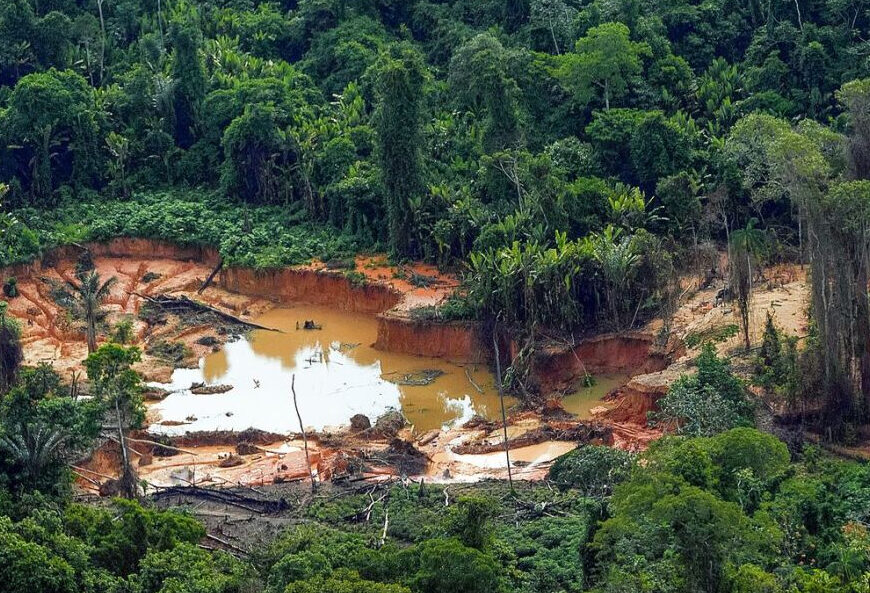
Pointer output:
x,y
381,390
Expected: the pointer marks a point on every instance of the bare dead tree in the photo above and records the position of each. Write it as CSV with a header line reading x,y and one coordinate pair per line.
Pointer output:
x,y
498,386
304,436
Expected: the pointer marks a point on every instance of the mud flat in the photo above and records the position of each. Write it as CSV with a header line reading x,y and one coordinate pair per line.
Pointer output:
x,y
369,352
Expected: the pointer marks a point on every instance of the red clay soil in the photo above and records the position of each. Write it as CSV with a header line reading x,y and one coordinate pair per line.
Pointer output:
x,y
50,336
455,341
392,294
560,366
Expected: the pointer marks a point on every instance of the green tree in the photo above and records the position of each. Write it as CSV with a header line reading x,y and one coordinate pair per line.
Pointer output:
x,y
659,148
11,353
188,568
604,63
446,566
618,260
42,429
28,566
51,124
712,401
470,521
479,80
400,77
91,293
255,166
855,97
747,247
117,385
594,470
342,581
188,74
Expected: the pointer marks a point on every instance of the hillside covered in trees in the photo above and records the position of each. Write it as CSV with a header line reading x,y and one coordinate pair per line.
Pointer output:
x,y
580,165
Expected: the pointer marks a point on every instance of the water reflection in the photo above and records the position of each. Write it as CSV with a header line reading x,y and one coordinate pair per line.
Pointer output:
x,y
338,374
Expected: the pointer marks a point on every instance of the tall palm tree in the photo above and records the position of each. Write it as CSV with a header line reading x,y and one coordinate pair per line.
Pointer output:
x,y
91,294
747,247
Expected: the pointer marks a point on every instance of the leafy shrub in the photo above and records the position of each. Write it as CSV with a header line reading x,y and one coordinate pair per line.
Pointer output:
x,y
174,352
709,402
776,366
10,287
470,521
446,566
122,333
592,469
262,237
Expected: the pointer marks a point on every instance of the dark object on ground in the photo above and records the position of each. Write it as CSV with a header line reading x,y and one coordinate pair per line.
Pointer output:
x,y
579,432
232,461
187,307
208,341
85,262
246,448
10,287
309,325
360,422
154,394
389,425
174,352
151,277
405,457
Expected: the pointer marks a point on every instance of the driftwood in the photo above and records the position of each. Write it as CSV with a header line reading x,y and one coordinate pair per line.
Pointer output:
x,y
173,303
224,542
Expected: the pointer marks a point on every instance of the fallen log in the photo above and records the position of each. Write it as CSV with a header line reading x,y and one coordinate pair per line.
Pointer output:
x,y
166,301
226,543
211,276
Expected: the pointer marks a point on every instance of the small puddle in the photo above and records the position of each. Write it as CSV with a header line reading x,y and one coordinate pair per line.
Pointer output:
x,y
531,455
338,374
581,402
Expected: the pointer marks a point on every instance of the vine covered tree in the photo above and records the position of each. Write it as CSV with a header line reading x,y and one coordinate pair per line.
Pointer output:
x,y
398,124
480,81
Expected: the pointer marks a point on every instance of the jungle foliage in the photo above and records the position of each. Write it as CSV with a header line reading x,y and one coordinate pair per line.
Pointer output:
x,y
571,154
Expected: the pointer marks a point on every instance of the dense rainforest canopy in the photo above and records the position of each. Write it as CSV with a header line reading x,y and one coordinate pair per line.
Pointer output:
x,y
571,158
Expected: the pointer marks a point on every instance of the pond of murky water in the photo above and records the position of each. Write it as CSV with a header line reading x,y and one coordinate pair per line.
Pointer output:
x,y
338,374
581,402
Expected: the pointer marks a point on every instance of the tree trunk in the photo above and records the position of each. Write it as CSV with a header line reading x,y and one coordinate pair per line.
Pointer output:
x,y
128,477
103,42
800,20
302,428
498,385
92,335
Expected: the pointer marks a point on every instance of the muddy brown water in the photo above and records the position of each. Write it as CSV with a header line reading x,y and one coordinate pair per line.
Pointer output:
x,y
338,374
581,402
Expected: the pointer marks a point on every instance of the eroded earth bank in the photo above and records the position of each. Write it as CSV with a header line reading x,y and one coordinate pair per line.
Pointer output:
x,y
383,389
